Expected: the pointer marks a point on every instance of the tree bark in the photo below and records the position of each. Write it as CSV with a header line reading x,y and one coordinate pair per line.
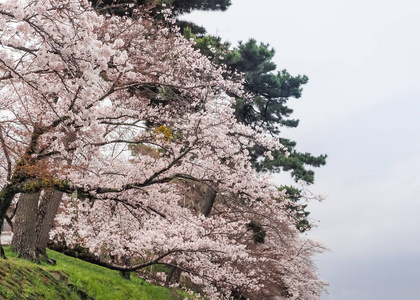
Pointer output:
x,y
45,220
24,235
6,197
208,201
174,275
126,262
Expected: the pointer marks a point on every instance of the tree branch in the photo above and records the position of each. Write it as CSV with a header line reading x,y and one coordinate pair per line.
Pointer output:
x,y
6,154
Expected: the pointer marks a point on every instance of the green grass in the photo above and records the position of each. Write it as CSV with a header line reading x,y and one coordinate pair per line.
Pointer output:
x,y
75,279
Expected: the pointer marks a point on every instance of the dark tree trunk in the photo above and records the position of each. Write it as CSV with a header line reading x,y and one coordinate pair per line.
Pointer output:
x,y
126,262
208,201
45,220
24,235
125,274
47,211
6,197
174,275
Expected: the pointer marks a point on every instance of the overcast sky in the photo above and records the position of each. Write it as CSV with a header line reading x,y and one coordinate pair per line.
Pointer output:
x,y
361,107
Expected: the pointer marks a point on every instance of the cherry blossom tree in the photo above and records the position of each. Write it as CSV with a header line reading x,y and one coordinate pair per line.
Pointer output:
x,y
79,90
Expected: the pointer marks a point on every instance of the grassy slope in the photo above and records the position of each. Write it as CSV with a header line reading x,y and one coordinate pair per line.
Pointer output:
x,y
72,278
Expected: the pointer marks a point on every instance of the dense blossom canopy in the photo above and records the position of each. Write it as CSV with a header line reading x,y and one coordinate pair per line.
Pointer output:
x,y
122,114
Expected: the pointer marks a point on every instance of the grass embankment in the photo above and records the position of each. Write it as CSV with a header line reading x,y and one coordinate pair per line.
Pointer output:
x,y
72,278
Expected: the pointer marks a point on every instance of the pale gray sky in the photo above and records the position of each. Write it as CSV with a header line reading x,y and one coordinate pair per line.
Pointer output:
x,y
361,107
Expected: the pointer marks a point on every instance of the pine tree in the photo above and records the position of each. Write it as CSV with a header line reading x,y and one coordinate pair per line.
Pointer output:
x,y
267,107
179,7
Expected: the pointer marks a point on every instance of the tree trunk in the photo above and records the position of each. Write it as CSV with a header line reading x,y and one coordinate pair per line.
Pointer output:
x,y
174,275
6,197
45,219
125,262
208,201
24,235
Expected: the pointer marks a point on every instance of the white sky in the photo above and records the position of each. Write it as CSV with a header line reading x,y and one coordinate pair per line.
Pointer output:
x,y
361,107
